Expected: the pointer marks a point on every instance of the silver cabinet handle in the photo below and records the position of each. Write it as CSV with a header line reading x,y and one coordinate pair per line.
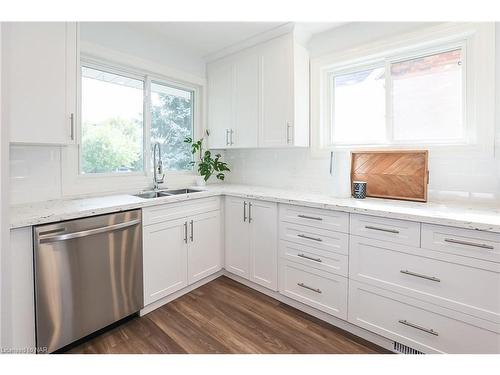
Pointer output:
x,y
310,217
244,211
192,231
186,232
309,238
382,229
231,132
89,232
227,137
72,126
288,138
250,212
306,257
432,278
467,243
416,326
302,285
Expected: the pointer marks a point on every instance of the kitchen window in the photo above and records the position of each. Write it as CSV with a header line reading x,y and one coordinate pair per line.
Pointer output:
x,y
430,88
417,99
124,114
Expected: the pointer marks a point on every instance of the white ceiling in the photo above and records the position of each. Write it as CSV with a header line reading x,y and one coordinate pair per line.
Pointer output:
x,y
206,38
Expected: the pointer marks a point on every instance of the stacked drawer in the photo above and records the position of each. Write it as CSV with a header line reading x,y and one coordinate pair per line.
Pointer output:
x,y
433,288
313,260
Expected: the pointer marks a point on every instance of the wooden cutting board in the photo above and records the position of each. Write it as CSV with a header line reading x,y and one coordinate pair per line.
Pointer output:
x,y
401,174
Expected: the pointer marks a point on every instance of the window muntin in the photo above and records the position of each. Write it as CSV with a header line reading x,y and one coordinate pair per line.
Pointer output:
x,y
423,101
112,123
171,122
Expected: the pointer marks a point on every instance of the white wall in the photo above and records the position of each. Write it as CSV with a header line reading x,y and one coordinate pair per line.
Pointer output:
x,y
461,175
36,171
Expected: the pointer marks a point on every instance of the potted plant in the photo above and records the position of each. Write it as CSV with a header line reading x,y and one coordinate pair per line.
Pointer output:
x,y
207,165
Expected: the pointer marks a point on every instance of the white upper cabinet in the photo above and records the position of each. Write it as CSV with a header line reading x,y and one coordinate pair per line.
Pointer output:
x,y
260,97
41,66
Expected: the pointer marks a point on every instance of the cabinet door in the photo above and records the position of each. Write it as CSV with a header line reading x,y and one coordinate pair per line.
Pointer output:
x,y
41,70
204,249
237,236
220,103
277,93
246,101
164,259
263,218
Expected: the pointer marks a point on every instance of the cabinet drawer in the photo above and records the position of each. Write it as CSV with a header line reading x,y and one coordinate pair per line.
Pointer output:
x,y
322,239
315,217
467,285
464,242
171,211
399,231
309,256
321,290
420,325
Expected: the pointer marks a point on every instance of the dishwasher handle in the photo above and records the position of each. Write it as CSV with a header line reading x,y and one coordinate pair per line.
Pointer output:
x,y
89,232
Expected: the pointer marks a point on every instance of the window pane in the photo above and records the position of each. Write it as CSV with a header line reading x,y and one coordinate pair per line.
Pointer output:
x,y
112,122
359,109
171,122
427,98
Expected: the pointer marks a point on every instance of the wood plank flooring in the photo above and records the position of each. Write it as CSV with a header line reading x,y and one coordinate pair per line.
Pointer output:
x,y
224,316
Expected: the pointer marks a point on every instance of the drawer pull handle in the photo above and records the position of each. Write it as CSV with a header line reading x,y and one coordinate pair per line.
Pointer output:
x,y
302,285
306,257
466,243
416,326
310,217
382,229
309,238
432,278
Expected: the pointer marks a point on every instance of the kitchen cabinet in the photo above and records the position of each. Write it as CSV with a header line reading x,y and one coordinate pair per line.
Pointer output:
x,y
251,240
41,58
164,259
18,292
259,97
181,250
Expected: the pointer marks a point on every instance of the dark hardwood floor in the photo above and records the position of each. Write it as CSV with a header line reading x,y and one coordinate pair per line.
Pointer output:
x,y
224,316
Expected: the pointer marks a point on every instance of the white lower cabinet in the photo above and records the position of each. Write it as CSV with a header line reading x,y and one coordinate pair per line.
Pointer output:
x,y
421,325
323,290
179,252
252,240
164,259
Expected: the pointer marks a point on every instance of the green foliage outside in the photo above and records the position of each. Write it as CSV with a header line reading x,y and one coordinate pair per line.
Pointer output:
x,y
116,145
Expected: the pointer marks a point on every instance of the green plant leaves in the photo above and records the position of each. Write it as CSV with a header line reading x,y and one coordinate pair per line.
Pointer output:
x,y
207,165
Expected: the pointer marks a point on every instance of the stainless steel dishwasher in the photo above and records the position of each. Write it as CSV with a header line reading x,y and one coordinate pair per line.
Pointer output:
x,y
88,274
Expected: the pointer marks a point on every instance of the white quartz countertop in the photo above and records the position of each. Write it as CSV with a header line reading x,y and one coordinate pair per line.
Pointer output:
x,y
457,214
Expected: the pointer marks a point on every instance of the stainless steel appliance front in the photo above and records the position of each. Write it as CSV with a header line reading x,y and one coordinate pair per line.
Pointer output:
x,y
88,274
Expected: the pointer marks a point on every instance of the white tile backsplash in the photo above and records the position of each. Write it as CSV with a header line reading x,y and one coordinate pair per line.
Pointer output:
x,y
35,173
451,177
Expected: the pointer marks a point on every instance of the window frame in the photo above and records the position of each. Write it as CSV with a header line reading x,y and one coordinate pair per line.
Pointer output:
x,y
477,43
73,182
147,78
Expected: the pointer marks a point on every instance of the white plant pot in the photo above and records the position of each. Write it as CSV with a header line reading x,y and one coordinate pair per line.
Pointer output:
x,y
200,181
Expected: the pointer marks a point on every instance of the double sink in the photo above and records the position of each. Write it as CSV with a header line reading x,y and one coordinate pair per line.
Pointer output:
x,y
165,193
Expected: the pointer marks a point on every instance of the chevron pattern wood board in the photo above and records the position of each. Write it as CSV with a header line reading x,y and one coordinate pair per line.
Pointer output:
x,y
401,174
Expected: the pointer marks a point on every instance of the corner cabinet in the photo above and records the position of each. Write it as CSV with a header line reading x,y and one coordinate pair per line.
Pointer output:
x,y
260,97
41,71
252,240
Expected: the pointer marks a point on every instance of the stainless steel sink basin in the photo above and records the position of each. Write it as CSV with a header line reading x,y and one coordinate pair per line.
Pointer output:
x,y
181,191
151,194
165,193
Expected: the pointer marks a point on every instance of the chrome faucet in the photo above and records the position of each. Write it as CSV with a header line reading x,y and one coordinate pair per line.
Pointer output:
x,y
158,167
